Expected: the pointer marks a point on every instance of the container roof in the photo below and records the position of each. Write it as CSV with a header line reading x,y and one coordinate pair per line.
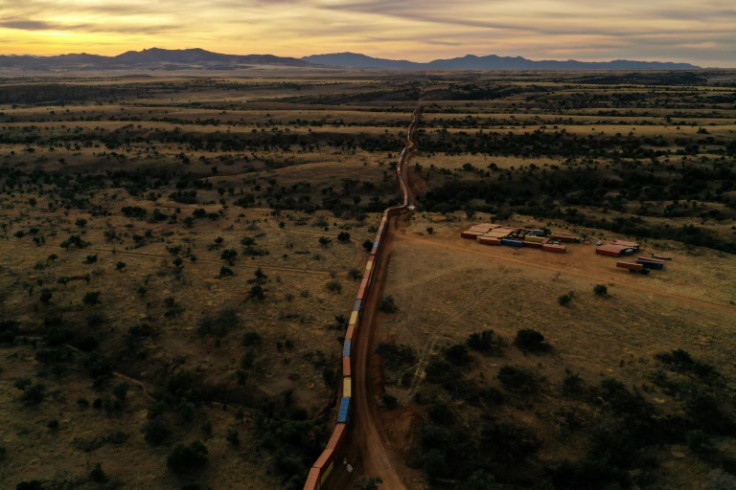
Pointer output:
x,y
611,247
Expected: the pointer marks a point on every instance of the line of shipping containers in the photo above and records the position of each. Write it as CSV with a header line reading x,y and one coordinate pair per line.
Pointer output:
x,y
318,472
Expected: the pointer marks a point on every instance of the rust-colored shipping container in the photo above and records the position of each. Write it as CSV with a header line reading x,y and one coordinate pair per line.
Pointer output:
x,y
338,438
471,234
351,332
560,249
364,284
629,265
313,479
533,244
486,240
325,463
565,238
610,250
346,368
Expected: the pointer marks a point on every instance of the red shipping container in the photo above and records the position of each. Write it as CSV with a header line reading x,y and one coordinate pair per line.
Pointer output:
x,y
485,240
560,249
312,479
629,265
346,369
338,438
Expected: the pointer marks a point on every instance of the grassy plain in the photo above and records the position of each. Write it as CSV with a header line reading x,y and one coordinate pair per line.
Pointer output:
x,y
195,206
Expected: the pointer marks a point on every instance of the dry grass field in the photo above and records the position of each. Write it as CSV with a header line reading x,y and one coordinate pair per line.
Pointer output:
x,y
447,288
178,256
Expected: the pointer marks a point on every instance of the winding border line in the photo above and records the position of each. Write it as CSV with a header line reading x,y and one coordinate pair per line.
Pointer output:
x,y
323,467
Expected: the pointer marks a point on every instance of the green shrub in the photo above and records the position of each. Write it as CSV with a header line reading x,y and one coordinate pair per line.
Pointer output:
x,y
457,354
92,298
388,305
680,361
572,384
97,475
438,370
251,339
232,436
486,342
517,380
529,340
34,394
389,401
187,459
395,356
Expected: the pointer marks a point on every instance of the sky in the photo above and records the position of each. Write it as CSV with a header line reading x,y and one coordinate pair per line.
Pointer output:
x,y
702,32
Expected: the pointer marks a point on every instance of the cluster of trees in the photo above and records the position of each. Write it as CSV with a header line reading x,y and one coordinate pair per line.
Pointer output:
x,y
623,431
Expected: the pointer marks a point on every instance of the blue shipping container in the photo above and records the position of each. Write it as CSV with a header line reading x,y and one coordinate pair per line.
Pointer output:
x,y
356,306
346,349
344,413
512,243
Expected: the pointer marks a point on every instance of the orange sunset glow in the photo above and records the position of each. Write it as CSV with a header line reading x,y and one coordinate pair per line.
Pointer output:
x,y
696,32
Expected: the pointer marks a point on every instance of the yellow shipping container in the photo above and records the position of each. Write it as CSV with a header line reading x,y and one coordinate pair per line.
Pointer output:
x,y
535,239
353,318
347,386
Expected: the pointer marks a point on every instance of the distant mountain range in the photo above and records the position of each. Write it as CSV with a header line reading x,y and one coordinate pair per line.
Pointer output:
x,y
180,59
148,59
491,62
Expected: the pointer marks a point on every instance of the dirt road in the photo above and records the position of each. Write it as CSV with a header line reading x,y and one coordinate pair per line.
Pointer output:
x,y
369,448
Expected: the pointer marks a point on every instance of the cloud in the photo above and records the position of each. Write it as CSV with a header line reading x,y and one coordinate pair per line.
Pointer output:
x,y
412,29
27,25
